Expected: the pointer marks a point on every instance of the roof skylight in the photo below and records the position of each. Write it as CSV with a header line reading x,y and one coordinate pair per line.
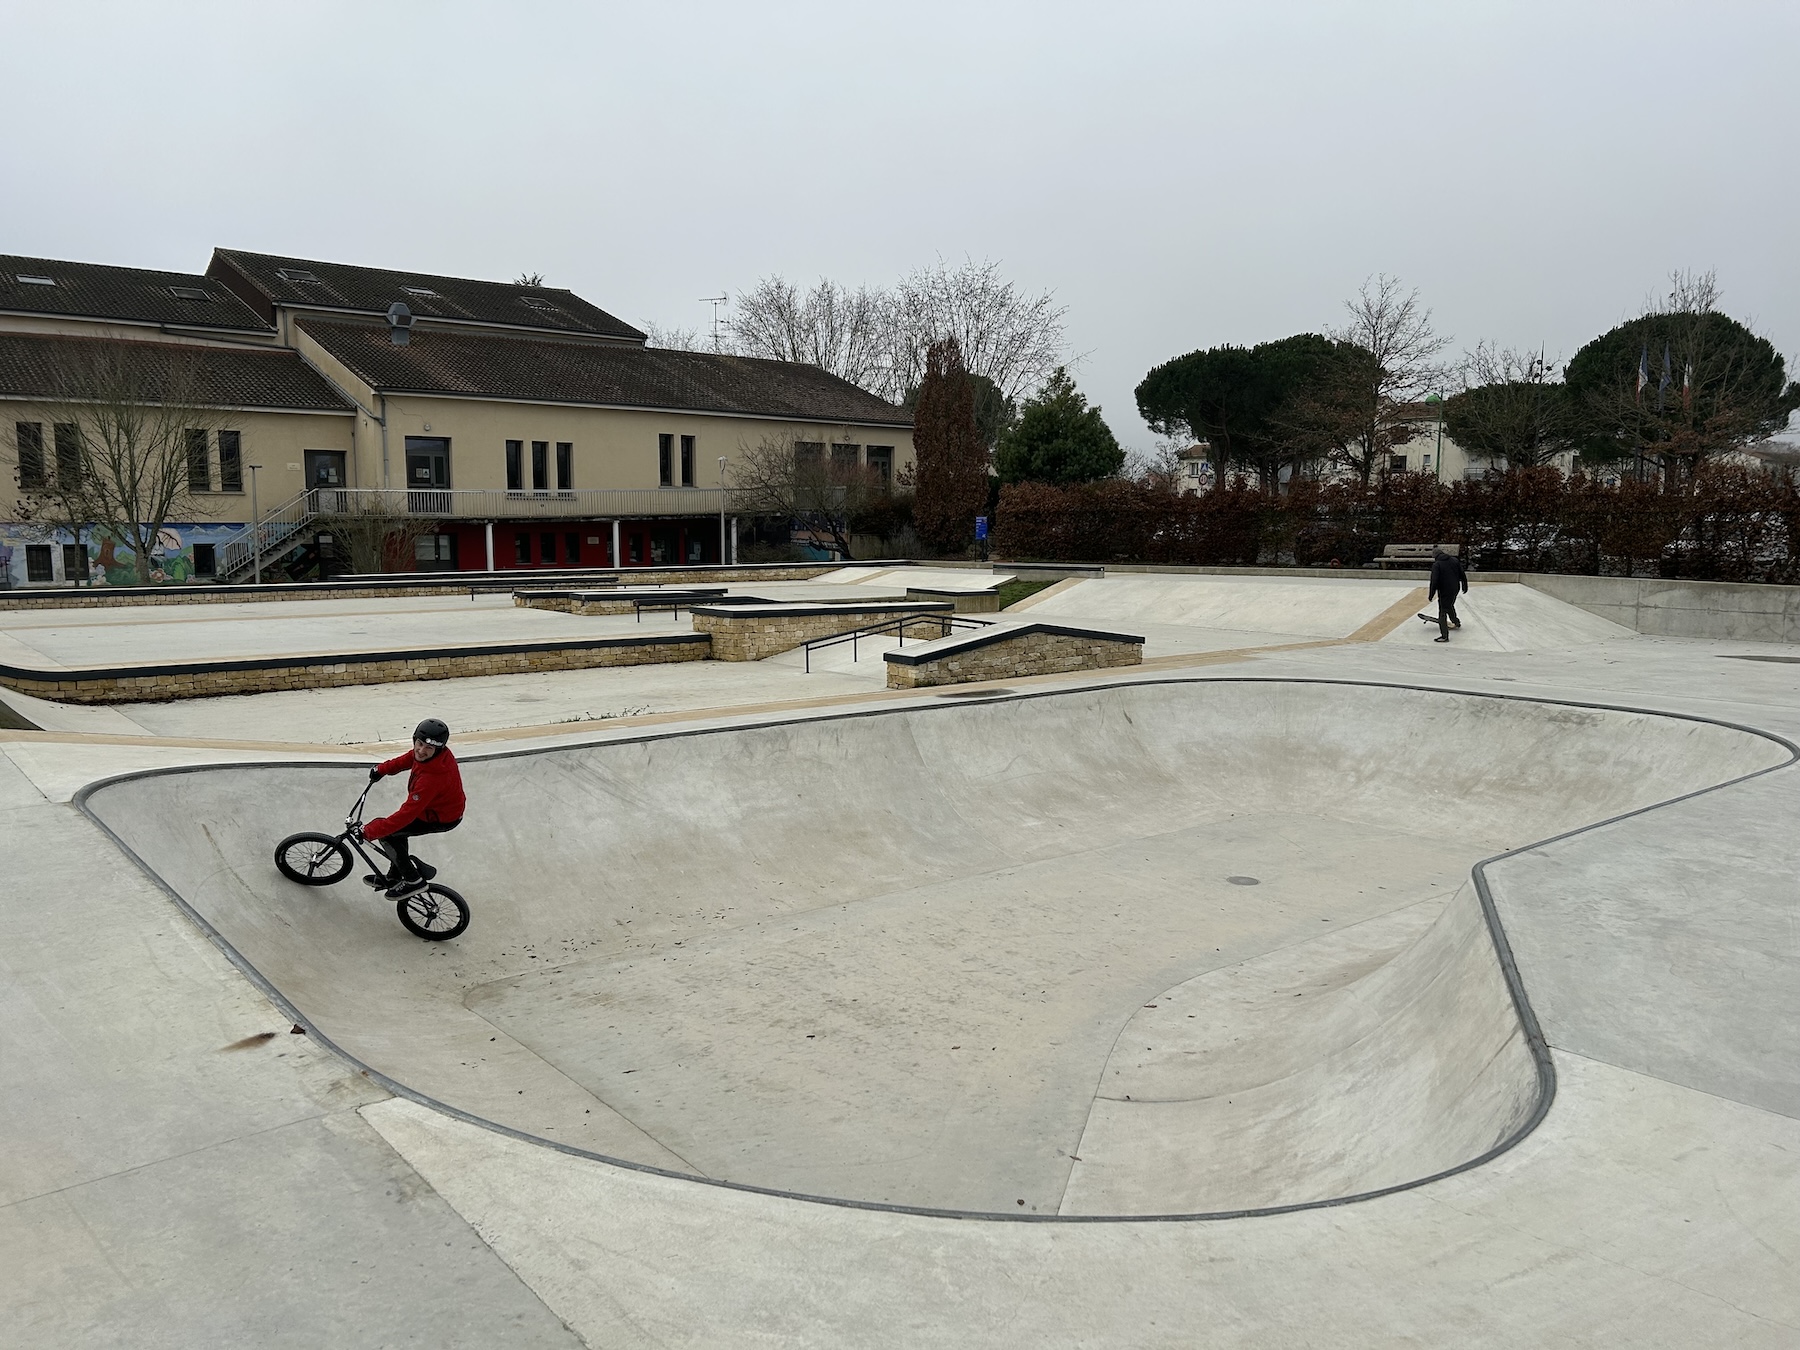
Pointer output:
x,y
190,293
536,303
420,290
27,279
295,274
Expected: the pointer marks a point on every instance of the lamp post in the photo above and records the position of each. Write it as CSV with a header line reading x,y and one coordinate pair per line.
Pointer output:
x,y
722,558
255,525
1437,464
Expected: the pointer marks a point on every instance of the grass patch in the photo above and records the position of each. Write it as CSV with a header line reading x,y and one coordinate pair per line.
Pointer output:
x,y
1011,592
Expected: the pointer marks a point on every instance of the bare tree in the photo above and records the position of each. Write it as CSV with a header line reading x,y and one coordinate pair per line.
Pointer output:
x,y
1005,335
847,332
1387,357
793,477
673,339
133,429
1512,410
375,530
529,279
877,338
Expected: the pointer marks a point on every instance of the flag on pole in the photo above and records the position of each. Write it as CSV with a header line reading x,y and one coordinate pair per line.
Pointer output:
x,y
1687,384
1668,378
1643,373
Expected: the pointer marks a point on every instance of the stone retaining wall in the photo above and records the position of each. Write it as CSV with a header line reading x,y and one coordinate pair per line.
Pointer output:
x,y
162,684
1009,654
751,634
965,602
453,583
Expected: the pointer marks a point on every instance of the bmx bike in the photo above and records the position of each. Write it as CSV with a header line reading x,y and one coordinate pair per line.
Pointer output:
x,y
312,858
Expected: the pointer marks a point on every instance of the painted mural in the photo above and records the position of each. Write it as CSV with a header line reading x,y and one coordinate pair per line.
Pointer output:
x,y
111,561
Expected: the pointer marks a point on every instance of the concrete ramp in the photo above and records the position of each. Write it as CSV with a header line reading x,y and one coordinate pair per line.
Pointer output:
x,y
1299,607
1508,617
905,956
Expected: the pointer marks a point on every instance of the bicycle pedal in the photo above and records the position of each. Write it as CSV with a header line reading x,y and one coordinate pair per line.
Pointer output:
x,y
376,883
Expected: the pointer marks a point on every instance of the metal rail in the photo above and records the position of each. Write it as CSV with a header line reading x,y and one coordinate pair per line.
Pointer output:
x,y
944,622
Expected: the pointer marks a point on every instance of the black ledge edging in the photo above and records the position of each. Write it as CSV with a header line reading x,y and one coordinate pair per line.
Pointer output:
x,y
962,642
342,658
1528,1022
642,594
779,609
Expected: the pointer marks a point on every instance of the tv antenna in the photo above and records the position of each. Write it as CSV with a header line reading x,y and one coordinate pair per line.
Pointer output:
x,y
715,301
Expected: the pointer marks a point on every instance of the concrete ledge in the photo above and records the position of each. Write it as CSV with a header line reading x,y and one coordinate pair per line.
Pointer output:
x,y
964,602
617,599
211,679
751,632
1008,651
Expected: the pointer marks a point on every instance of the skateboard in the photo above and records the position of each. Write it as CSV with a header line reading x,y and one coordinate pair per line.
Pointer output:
x,y
1433,620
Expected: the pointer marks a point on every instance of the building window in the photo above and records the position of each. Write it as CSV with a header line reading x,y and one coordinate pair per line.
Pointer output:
x,y
75,562
540,466
1396,463
687,461
199,470
204,561
565,466
231,461
881,459
515,466
522,549
665,460
435,549
547,548
845,458
68,453
809,454
572,549
37,563
29,438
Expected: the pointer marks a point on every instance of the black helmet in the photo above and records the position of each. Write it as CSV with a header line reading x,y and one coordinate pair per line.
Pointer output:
x,y
432,732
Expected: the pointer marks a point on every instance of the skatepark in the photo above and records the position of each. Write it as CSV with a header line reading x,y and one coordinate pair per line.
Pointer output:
x,y
1308,984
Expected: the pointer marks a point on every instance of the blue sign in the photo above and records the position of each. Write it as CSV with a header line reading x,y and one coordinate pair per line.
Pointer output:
x,y
981,527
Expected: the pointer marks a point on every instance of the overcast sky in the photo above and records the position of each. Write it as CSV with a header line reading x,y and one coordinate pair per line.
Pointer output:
x,y
1179,175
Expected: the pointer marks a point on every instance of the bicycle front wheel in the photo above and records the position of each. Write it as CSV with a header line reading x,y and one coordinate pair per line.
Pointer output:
x,y
436,913
313,859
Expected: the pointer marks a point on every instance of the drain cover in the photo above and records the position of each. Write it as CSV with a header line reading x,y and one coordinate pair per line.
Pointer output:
x,y
1245,881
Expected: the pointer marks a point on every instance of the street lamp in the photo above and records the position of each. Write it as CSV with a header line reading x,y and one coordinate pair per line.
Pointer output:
x,y
1437,464
722,558
255,525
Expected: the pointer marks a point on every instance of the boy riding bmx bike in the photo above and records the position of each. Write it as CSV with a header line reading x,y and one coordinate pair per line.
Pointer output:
x,y
434,805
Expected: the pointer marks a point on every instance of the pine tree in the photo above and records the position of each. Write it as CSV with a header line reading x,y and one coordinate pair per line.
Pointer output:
x,y
952,460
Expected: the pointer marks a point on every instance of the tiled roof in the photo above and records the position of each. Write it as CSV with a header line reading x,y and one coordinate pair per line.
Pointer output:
x,y
370,290
55,368
94,291
458,362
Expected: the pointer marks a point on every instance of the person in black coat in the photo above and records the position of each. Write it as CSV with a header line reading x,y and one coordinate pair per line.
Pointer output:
x,y
1448,580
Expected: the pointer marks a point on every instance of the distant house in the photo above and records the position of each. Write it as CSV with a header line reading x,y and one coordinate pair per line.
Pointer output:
x,y
525,426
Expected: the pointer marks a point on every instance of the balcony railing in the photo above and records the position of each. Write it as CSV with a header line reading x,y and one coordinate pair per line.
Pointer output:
x,y
499,504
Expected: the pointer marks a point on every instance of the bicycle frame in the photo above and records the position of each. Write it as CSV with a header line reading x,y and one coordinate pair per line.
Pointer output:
x,y
353,836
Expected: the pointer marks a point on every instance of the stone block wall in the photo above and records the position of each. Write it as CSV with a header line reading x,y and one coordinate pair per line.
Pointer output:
x,y
1029,652
754,635
164,684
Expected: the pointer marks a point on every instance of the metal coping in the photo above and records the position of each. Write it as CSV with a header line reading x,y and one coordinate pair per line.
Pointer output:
x,y
776,609
1528,1022
955,642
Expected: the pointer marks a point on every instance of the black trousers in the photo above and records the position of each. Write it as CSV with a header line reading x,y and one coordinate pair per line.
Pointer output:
x,y
1447,613
400,853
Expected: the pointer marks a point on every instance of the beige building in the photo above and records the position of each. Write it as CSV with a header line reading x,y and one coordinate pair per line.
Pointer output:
x,y
514,426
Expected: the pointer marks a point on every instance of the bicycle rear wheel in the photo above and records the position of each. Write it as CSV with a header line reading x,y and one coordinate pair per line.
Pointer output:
x,y
436,913
313,859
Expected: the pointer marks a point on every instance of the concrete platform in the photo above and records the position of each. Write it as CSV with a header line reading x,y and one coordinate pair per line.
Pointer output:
x,y
185,1170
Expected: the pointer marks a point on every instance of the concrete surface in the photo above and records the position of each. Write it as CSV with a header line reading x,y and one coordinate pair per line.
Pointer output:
x,y
165,1189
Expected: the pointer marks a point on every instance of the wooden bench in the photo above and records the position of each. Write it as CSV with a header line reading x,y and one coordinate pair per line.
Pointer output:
x,y
1414,555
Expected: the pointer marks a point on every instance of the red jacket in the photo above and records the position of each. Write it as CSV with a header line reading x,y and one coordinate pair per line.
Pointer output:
x,y
434,793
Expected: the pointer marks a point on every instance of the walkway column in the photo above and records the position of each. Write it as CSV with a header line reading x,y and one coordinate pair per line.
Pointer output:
x,y
615,552
490,545
734,521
